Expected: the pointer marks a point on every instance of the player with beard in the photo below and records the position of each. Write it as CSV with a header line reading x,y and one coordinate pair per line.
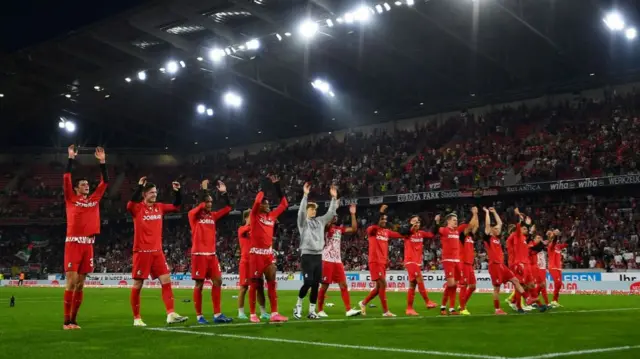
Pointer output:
x,y
379,236
261,258
83,224
413,261
244,234
332,267
204,261
148,257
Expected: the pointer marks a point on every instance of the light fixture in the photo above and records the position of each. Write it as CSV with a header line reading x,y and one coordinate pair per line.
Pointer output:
x,y
107,96
228,50
209,112
199,58
232,99
379,9
631,33
339,20
61,124
253,44
216,55
195,143
200,108
308,28
348,18
183,64
362,14
376,111
329,23
97,88
421,103
172,67
614,21
287,34
142,75
387,6
410,2
279,37
1,95
70,126
398,3
128,79
323,86
67,95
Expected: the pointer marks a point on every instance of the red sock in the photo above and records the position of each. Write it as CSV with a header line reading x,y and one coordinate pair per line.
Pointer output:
x,y
423,292
215,298
135,302
346,299
468,296
167,297
556,290
452,297
411,294
383,299
273,296
445,296
68,300
321,294
77,301
518,300
496,304
370,296
545,296
197,300
252,297
462,296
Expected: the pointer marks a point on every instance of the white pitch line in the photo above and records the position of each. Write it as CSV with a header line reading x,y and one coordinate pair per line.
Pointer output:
x,y
332,345
390,319
581,352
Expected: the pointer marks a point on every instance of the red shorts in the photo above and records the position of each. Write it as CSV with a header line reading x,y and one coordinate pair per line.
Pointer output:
x,y
556,274
523,273
205,267
468,274
378,271
244,273
414,271
258,264
78,257
149,263
500,274
452,270
333,272
541,275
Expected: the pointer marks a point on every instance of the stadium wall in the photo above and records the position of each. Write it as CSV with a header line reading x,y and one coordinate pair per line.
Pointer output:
x,y
575,282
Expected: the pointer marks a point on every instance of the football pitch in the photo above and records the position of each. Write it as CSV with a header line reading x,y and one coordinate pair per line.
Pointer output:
x,y
589,326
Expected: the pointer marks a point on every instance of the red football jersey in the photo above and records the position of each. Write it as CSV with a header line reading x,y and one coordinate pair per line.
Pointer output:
x,y
468,252
414,246
450,240
494,250
555,255
203,228
520,246
147,224
533,256
262,224
245,241
511,256
379,243
83,214
332,242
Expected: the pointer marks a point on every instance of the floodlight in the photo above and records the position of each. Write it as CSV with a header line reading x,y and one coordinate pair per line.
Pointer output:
x,y
70,126
61,124
387,6
253,44
379,9
232,99
410,2
631,33
142,75
128,79
172,67
614,21
216,55
201,109
308,28
183,64
279,37
329,23
323,86
209,112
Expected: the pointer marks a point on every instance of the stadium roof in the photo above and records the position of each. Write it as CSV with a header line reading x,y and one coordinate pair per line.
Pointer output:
x,y
394,60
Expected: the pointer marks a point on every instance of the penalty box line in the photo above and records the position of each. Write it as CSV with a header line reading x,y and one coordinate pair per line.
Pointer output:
x,y
388,319
331,345
581,352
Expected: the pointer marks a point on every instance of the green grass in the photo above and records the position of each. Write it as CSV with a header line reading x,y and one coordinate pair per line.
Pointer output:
x,y
33,329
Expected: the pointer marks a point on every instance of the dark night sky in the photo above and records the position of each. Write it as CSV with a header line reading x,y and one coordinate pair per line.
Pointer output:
x,y
28,22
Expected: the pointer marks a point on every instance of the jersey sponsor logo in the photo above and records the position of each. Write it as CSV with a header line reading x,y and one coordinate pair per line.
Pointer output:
x,y
152,217
468,240
266,221
85,204
382,238
207,221
81,240
261,251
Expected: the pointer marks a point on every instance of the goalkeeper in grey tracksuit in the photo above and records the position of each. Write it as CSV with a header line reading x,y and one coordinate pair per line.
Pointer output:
x,y
311,230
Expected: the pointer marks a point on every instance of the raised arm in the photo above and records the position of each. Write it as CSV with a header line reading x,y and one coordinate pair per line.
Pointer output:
x,y
497,218
354,220
302,211
177,199
104,180
67,186
283,200
136,197
473,225
224,196
333,206
487,221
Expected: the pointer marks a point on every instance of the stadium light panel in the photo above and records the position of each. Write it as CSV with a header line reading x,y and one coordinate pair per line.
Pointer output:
x,y
199,58
387,6
362,14
253,44
128,79
201,109
323,86
61,124
142,75
379,9
287,34
348,18
216,55
70,126
228,51
614,21
308,28
631,33
339,20
410,2
329,22
1,95
232,99
67,95
172,67
398,3
209,112
279,37
183,64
